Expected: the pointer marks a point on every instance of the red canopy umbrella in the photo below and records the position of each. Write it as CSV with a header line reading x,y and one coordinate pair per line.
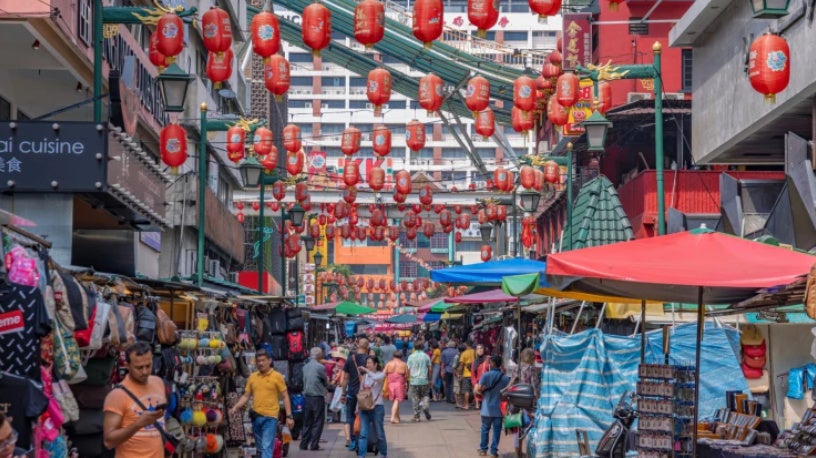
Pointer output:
x,y
699,266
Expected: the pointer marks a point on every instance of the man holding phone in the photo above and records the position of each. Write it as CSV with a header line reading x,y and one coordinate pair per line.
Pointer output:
x,y
131,423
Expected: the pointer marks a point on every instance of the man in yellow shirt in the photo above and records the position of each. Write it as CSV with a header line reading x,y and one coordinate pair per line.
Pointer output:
x,y
265,387
465,361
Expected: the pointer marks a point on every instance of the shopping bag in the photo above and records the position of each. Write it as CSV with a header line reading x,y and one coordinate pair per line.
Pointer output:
x,y
336,404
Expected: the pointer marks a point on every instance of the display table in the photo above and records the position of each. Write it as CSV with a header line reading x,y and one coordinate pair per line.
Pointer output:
x,y
718,448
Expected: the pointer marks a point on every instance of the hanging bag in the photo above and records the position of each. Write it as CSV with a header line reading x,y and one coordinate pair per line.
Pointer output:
x,y
67,362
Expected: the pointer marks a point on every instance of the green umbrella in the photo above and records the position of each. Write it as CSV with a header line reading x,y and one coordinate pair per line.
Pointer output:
x,y
402,319
520,285
440,307
353,308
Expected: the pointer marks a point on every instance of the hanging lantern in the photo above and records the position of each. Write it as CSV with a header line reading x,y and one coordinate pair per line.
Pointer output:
x,y
219,67
262,141
173,145
350,195
483,14
522,121
428,229
501,177
265,32
457,208
239,205
604,96
277,77
345,231
216,31
417,208
410,219
474,209
240,217
236,136
316,27
361,233
550,71
478,92
314,230
350,143
486,252
351,173
430,93
437,208
552,173
556,113
256,206
426,195
544,8
428,20
322,219
399,198
403,181
501,213
567,89
769,65
527,176
369,22
457,237
524,93
279,190
381,140
270,160
415,135
301,191
485,123
393,233
156,57
330,232
294,163
445,218
378,88
376,178
463,221
291,138
411,233
171,35
539,180
341,209
555,57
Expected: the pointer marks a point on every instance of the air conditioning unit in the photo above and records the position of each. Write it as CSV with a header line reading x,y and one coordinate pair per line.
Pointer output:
x,y
674,96
213,266
635,96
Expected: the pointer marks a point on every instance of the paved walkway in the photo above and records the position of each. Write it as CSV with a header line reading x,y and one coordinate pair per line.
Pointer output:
x,y
451,433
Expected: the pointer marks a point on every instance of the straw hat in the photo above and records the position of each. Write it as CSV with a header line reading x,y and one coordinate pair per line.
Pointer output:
x,y
340,352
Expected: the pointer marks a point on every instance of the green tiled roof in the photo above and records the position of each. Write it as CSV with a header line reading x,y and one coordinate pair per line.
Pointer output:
x,y
598,217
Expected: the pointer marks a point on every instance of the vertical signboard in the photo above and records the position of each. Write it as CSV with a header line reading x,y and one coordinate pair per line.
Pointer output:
x,y
577,39
579,112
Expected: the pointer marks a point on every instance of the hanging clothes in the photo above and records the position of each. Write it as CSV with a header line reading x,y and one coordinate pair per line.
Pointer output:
x,y
23,320
24,401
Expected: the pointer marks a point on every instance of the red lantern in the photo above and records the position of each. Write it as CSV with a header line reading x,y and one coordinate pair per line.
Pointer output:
x,y
376,178
330,232
378,89
279,190
369,284
478,91
430,93
171,34
216,31
437,208
393,233
301,191
173,145
527,176
236,136
522,121
502,179
501,213
345,231
415,135
428,20
485,123
265,32
567,89
524,93
314,230
428,229
445,218
156,57
219,67
483,14
457,208
410,219
256,206
262,141
369,22
769,65
457,237
411,233
539,180
381,140
277,77
604,96
239,205
556,113
316,27
350,195
294,162
240,217
291,138
544,8
270,160
552,173
486,252
426,195
351,173
550,70
399,198
350,143
474,209
417,208
361,233
322,219
403,180
463,221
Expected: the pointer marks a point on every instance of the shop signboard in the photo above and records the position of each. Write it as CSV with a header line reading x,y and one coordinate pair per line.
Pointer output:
x,y
577,33
579,112
52,156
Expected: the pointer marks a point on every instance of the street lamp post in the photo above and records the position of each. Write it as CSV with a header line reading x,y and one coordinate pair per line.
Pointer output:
x,y
252,174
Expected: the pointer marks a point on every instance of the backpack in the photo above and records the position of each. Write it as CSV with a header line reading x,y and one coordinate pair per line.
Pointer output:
x,y
166,329
146,323
277,321
296,380
71,298
278,347
294,320
296,342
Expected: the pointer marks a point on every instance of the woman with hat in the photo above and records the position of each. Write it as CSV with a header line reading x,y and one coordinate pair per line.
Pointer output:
x,y
396,378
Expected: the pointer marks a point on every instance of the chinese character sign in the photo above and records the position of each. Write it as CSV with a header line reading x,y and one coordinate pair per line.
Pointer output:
x,y
577,41
580,111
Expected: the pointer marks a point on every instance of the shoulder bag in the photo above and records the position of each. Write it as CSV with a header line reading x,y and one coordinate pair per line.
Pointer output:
x,y
170,442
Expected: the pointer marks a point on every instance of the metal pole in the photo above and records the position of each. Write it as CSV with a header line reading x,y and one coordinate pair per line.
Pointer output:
x,y
97,64
515,232
569,196
642,331
658,93
261,224
202,184
397,264
283,250
451,248
700,327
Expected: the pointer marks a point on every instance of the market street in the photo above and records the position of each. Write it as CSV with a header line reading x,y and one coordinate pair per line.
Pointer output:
x,y
451,433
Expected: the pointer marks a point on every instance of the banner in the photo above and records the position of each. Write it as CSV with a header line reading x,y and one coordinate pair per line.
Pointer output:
x,y
577,38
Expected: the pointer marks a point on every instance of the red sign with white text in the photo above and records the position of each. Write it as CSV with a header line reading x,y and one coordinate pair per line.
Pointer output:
x,y
12,322
577,40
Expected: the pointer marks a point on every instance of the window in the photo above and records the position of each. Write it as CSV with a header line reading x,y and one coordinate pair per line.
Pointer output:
x,y
333,152
302,81
637,26
332,129
515,36
358,104
333,81
334,104
491,35
300,57
686,63
305,130
85,17
424,154
454,176
544,33
408,269
356,81
396,129
369,269
486,153
453,154
439,242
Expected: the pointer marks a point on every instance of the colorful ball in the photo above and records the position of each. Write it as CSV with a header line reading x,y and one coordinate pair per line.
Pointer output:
x,y
186,416
220,439
211,416
199,418
211,444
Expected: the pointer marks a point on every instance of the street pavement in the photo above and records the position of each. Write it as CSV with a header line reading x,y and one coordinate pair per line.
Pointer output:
x,y
451,433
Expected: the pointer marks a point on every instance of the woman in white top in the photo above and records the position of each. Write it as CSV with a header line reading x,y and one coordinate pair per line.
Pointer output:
x,y
372,377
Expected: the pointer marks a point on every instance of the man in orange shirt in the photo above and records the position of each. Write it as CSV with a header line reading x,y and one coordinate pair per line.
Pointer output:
x,y
129,428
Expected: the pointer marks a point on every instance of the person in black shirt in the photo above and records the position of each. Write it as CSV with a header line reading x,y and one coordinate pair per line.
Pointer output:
x,y
351,384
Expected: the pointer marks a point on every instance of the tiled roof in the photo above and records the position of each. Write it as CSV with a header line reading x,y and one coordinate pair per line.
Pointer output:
x,y
598,217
